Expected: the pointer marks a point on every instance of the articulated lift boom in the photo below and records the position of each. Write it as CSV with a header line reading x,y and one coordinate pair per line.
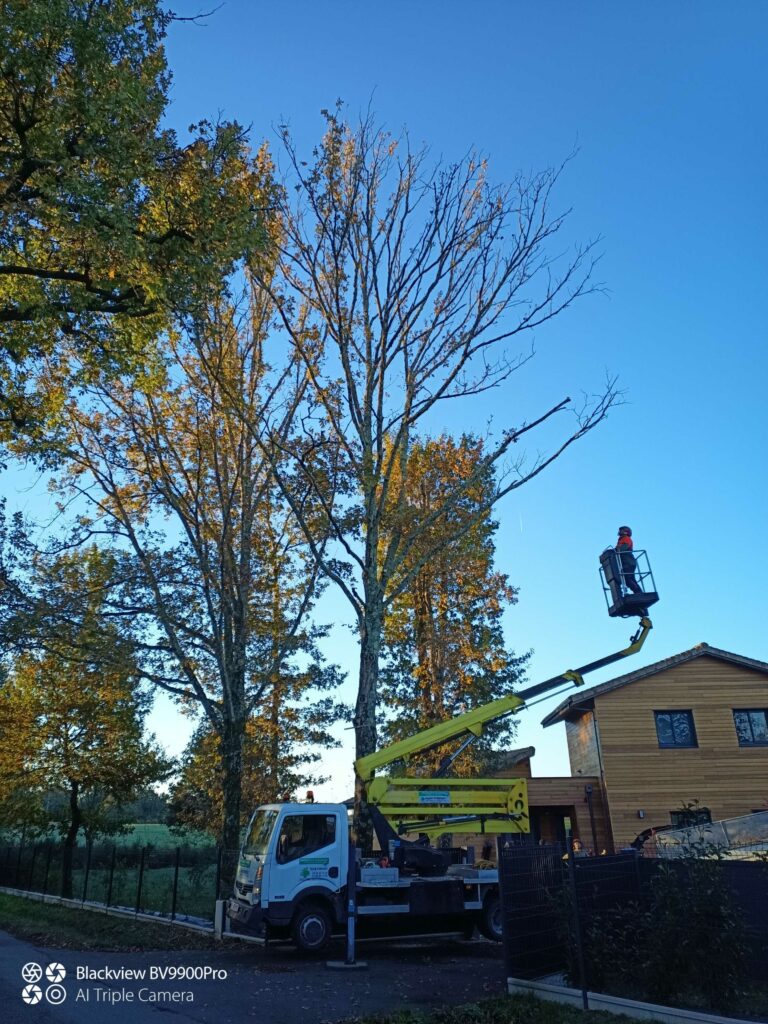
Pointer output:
x,y
438,804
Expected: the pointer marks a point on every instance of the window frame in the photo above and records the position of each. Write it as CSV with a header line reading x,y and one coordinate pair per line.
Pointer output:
x,y
676,746
289,852
691,817
750,711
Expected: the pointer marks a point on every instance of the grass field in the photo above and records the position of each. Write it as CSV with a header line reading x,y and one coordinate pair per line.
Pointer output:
x,y
66,928
146,834
139,834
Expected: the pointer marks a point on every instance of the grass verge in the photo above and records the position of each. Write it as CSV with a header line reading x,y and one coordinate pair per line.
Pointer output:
x,y
57,927
518,1009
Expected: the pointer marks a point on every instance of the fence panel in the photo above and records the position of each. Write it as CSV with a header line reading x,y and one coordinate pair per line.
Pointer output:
x,y
157,881
172,881
748,884
197,875
533,899
99,872
603,883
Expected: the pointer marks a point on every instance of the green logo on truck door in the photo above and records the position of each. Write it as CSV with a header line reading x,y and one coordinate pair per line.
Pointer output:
x,y
314,867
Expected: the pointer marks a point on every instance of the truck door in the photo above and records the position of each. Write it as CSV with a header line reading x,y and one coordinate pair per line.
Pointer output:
x,y
308,853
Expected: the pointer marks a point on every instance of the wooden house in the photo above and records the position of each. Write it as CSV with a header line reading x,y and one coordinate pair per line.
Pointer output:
x,y
681,741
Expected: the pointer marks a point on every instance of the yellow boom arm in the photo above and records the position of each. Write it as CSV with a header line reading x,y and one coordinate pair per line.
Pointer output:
x,y
486,800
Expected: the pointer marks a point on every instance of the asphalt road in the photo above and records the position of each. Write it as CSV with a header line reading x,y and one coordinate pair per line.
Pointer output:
x,y
273,986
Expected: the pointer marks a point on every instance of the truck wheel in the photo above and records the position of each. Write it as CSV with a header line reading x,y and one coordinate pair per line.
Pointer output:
x,y
311,928
490,923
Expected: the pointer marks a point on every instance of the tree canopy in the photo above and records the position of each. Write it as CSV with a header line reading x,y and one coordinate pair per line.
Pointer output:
x,y
211,566
72,707
109,226
443,647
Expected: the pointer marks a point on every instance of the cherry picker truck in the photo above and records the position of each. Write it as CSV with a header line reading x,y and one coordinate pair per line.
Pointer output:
x,y
297,862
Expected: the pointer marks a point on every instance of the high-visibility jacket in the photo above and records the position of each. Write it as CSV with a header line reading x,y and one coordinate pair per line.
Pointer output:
x,y
625,543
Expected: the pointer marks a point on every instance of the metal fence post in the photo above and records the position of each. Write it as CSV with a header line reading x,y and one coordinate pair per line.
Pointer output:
x,y
141,879
219,854
18,866
175,883
111,873
571,863
88,848
351,903
47,867
31,881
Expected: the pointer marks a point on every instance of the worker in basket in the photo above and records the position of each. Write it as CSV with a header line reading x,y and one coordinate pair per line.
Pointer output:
x,y
627,560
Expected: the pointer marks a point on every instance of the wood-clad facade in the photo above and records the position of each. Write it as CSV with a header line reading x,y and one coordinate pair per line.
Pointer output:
x,y
633,736
562,807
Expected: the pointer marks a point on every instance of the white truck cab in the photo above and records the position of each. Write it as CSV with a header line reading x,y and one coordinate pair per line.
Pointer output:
x,y
292,873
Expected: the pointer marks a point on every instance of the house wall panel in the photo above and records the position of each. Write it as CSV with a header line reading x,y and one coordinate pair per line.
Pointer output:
x,y
583,753
728,779
566,792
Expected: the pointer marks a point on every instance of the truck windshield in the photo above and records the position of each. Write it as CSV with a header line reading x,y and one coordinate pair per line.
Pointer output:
x,y
259,831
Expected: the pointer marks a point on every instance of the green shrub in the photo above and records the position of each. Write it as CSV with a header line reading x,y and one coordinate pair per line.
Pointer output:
x,y
687,945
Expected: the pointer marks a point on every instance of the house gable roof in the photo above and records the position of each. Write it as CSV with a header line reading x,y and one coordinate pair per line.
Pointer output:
x,y
510,758
580,698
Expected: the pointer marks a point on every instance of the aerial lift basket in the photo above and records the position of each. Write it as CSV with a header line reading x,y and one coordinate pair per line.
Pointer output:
x,y
614,577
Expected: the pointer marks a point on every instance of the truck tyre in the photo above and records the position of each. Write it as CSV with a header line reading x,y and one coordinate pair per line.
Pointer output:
x,y
490,923
311,928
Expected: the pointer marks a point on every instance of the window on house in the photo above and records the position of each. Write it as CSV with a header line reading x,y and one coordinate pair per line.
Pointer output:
x,y
689,816
751,726
675,729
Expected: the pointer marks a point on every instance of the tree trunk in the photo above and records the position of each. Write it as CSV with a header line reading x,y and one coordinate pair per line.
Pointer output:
x,y
232,772
424,641
276,701
365,714
70,840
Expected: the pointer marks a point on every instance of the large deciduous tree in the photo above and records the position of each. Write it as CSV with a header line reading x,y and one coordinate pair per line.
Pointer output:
x,y
107,223
213,568
72,707
443,643
404,285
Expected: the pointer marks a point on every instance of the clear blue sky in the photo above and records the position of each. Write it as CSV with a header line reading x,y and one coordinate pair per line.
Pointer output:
x,y
666,102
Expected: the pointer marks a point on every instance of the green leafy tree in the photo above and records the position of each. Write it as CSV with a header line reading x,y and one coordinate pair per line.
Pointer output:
x,y
212,568
147,806
282,754
108,225
72,710
444,649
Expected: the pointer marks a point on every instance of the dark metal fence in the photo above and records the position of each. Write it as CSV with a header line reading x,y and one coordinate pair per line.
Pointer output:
x,y
531,900
181,882
554,905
